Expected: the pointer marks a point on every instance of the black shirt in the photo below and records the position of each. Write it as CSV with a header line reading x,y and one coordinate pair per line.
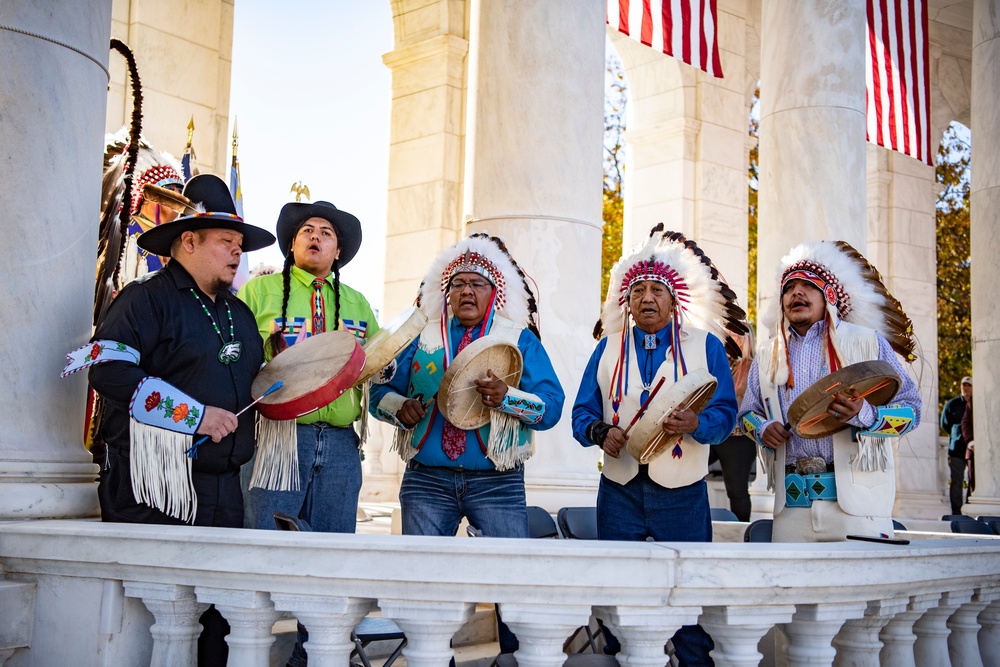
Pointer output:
x,y
159,316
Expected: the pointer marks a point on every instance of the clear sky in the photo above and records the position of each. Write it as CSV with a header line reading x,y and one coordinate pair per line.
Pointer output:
x,y
311,97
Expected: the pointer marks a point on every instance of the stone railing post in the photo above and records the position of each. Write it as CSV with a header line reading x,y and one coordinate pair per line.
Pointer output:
x,y
931,647
329,620
644,631
813,628
963,642
542,629
176,628
898,637
858,643
429,627
989,628
737,630
251,616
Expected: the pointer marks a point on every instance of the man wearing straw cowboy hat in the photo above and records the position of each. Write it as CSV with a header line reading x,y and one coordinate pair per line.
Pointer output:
x,y
646,340
307,298
175,357
834,312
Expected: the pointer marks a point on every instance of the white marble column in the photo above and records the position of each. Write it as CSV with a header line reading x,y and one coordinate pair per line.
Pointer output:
x,y
902,244
737,630
533,176
176,630
931,647
812,129
985,242
424,207
858,643
53,84
686,155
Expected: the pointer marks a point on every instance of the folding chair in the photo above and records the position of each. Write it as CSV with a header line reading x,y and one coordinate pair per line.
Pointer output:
x,y
723,514
896,525
758,531
540,523
578,523
370,629
971,528
956,517
376,629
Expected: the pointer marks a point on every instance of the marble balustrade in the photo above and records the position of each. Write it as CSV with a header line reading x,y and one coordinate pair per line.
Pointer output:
x,y
852,603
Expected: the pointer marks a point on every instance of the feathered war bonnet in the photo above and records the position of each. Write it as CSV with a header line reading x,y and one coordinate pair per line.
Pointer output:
x,y
702,297
487,256
853,291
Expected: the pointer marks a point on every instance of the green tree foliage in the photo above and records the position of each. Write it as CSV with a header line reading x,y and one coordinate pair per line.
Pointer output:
x,y
614,157
752,184
954,289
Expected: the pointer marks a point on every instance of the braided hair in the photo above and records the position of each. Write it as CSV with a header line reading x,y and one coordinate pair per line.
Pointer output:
x,y
276,341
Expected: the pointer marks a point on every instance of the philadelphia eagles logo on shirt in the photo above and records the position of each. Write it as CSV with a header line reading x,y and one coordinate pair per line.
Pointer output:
x,y
230,352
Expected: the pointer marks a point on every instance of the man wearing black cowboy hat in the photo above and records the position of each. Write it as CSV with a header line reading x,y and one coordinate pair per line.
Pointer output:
x,y
304,299
174,359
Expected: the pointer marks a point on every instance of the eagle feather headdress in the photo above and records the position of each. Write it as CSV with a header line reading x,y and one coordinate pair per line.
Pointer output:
x,y
853,291
488,256
702,297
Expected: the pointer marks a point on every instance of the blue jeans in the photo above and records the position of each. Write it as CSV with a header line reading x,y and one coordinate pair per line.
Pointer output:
x,y
433,501
642,508
329,483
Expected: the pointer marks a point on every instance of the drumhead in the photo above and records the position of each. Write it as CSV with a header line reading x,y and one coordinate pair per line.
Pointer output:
x,y
875,380
390,340
457,398
315,371
647,440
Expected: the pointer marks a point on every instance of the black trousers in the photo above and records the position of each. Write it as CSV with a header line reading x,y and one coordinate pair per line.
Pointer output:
x,y
736,455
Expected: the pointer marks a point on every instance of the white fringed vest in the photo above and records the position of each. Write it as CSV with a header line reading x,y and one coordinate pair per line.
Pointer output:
x,y
859,493
668,472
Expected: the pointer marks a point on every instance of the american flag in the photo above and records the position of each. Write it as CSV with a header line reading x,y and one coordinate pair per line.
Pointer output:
x,y
898,71
684,29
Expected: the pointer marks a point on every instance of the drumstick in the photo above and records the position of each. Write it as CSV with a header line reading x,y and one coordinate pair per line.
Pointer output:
x,y
645,404
193,452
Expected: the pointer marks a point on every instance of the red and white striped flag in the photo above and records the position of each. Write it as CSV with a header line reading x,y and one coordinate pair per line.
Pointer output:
x,y
684,29
898,86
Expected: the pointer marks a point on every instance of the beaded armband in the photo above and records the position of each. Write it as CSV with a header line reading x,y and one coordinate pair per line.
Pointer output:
x,y
388,407
98,352
891,421
524,406
160,404
751,425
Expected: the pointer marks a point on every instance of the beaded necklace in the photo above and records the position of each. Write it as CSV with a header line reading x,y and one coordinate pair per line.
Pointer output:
x,y
229,352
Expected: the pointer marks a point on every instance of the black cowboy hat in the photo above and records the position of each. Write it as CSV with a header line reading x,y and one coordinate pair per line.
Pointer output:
x,y
294,214
212,193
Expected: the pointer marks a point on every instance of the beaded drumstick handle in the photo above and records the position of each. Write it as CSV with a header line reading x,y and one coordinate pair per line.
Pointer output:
x,y
193,452
642,408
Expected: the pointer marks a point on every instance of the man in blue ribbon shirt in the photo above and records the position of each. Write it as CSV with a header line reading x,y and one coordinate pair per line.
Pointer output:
x,y
666,499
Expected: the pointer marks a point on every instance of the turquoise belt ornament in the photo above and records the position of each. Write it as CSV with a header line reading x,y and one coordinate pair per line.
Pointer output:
x,y
802,490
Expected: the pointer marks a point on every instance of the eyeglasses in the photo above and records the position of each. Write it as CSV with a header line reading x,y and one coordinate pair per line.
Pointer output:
x,y
459,285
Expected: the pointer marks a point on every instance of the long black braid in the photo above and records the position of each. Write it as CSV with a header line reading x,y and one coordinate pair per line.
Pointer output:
x,y
275,342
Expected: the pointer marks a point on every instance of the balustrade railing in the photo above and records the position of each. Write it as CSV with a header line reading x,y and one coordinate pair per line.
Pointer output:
x,y
928,603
